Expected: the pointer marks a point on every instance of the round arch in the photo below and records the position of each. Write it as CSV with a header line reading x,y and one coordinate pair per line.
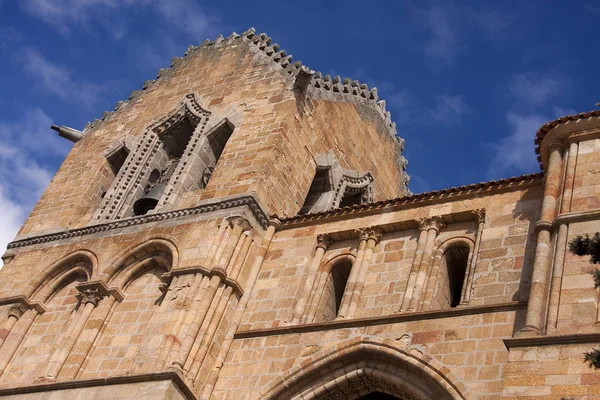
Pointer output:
x,y
80,262
358,368
152,252
329,263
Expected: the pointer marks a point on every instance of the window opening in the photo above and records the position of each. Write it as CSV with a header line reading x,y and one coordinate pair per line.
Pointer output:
x,y
456,258
216,141
333,292
321,184
351,198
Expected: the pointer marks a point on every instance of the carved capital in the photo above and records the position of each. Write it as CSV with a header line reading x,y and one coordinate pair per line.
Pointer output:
x,y
428,223
323,241
480,215
370,233
91,295
240,222
17,310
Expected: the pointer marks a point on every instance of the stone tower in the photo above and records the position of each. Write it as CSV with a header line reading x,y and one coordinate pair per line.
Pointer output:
x,y
241,229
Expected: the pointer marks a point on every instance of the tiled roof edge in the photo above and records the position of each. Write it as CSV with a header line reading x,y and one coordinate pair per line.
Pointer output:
x,y
413,198
544,129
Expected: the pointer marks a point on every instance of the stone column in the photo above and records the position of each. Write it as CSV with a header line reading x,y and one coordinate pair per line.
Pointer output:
x,y
323,241
373,237
16,311
210,381
535,305
18,331
434,225
89,297
207,331
198,311
415,266
88,336
466,294
353,277
561,240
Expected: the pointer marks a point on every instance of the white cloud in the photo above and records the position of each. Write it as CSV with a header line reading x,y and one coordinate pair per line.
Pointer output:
x,y
444,45
513,154
185,16
449,110
452,26
533,89
58,80
23,175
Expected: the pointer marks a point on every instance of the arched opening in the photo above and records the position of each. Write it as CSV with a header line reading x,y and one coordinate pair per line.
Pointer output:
x,y
452,276
211,152
319,194
333,291
367,370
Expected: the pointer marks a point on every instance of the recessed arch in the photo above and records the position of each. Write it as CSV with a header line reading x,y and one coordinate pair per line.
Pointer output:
x,y
359,367
450,272
83,262
151,253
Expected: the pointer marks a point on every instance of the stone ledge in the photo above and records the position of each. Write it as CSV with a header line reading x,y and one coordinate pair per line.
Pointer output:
x,y
576,217
574,338
153,377
249,201
387,319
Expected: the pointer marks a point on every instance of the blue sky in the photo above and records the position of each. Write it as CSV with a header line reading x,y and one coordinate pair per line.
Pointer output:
x,y
468,83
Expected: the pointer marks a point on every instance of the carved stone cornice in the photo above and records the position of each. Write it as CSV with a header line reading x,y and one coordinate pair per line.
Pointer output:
x,y
235,286
20,304
323,241
94,291
248,201
239,221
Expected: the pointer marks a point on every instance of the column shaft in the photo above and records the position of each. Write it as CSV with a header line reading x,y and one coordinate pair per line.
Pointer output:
x,y
373,238
237,316
423,268
535,305
353,278
322,243
15,338
414,269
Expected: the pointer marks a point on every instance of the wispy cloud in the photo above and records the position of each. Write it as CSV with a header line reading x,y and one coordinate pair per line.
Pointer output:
x,y
58,80
534,89
23,174
185,16
452,26
449,110
444,44
513,154
408,109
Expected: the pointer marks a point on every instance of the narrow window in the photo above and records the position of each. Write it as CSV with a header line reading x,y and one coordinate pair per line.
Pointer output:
x,y
452,276
318,197
216,140
114,161
173,144
333,291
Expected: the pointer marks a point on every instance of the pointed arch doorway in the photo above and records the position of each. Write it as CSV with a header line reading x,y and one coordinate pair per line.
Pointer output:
x,y
366,370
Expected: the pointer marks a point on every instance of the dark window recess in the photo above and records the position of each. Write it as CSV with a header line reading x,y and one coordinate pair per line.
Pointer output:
x,y
217,139
351,198
339,274
321,184
456,262
117,158
378,396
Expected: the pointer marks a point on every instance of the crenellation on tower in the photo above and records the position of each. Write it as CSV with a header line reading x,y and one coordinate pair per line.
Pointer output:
x,y
241,228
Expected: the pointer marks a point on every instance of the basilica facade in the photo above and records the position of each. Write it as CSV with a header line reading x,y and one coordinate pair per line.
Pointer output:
x,y
241,228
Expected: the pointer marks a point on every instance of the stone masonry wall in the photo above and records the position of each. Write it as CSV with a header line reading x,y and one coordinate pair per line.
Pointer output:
x,y
278,134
